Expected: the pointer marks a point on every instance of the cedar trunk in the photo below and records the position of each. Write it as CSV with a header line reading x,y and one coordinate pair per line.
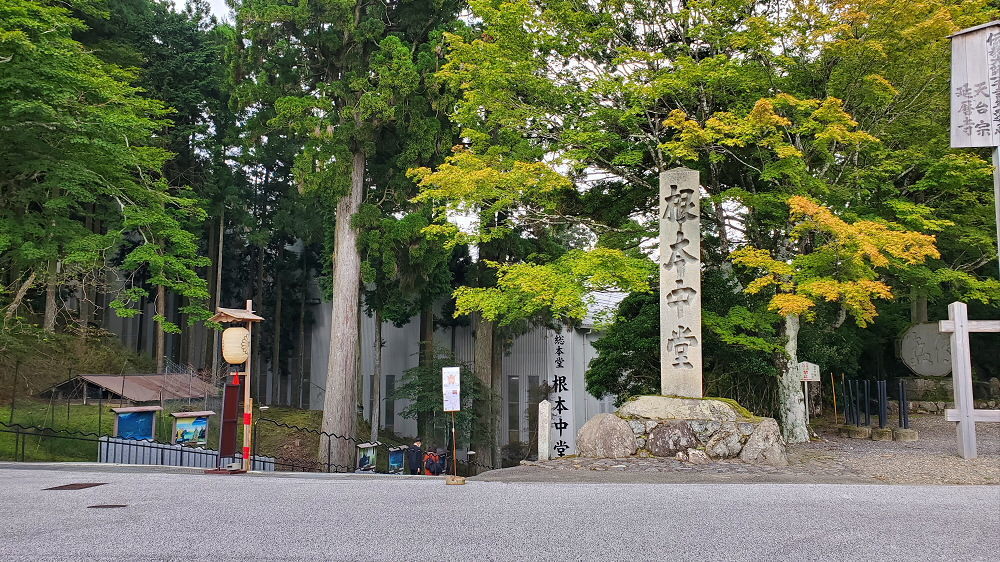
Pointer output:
x,y
376,379
426,358
496,387
49,324
218,293
483,363
339,411
276,347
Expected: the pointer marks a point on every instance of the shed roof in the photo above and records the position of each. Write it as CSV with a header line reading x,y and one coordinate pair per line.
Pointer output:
x,y
148,388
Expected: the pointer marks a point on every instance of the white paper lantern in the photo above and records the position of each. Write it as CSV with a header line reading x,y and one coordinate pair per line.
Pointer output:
x,y
235,345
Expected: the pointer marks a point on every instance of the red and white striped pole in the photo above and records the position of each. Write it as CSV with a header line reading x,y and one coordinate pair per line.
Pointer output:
x,y
247,401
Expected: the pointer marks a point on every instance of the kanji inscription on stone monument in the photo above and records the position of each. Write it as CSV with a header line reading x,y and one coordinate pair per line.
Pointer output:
x,y
680,283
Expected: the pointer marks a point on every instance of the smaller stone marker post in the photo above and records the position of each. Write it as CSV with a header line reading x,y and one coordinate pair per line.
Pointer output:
x,y
544,428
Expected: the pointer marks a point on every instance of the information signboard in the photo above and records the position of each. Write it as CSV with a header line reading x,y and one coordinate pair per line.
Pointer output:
x,y
450,384
809,371
975,86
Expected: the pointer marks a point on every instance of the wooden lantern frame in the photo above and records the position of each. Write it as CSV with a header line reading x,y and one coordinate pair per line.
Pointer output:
x,y
236,315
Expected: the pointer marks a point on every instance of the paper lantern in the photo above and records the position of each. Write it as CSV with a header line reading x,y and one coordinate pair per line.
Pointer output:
x,y
235,345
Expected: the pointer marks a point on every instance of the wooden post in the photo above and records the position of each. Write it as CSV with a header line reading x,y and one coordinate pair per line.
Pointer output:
x,y
833,386
961,367
247,401
454,447
959,325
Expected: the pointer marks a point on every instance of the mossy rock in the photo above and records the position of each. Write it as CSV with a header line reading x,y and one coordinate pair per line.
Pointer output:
x,y
684,407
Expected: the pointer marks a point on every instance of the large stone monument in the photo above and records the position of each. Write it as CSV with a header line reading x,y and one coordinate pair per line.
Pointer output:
x,y
925,350
680,283
681,423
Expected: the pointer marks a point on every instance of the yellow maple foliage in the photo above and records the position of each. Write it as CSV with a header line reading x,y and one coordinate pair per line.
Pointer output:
x,y
841,266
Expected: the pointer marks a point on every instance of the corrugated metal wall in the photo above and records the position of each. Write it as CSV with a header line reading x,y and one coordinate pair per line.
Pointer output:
x,y
530,357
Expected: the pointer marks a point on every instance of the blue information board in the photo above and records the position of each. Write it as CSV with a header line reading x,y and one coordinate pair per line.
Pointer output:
x,y
136,425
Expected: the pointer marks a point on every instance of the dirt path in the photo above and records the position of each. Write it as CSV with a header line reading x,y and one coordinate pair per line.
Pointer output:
x,y
828,458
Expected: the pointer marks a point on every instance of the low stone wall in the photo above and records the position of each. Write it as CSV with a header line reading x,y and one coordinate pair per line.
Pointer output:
x,y
667,427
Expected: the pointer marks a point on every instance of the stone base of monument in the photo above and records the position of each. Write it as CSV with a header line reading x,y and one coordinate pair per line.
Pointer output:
x,y
855,432
690,429
881,434
900,434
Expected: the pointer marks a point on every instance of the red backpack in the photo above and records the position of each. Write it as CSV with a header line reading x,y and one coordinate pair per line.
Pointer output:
x,y
432,463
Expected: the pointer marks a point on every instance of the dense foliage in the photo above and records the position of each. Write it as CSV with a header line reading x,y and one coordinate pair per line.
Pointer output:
x,y
492,162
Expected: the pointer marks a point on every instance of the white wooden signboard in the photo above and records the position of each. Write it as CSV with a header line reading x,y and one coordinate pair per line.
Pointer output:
x,y
809,371
975,87
975,95
451,386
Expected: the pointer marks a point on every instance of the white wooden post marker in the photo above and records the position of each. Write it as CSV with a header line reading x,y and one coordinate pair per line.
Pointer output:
x,y
959,325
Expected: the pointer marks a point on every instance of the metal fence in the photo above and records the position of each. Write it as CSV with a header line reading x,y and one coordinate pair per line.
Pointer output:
x,y
277,446
34,443
304,449
130,451
298,449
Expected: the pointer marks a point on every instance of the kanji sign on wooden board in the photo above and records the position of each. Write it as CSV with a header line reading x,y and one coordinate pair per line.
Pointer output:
x,y
975,87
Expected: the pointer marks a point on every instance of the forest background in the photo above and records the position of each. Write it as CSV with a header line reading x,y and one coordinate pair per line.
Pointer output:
x,y
154,154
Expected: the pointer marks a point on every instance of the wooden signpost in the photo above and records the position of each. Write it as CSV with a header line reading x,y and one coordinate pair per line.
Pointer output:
x,y
975,122
451,385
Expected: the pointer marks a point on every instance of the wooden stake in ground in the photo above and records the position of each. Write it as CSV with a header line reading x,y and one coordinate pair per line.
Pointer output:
x,y
833,386
454,447
247,401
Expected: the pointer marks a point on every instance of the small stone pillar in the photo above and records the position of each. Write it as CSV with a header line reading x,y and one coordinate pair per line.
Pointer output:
x,y
544,427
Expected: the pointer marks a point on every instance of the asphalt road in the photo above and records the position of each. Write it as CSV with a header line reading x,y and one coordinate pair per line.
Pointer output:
x,y
182,515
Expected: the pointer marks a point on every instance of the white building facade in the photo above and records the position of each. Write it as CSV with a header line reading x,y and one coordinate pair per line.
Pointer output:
x,y
557,359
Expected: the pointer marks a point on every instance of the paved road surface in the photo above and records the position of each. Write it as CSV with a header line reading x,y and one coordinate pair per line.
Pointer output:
x,y
182,515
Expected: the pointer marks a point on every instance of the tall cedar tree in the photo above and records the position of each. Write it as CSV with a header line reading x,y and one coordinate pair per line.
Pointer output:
x,y
356,67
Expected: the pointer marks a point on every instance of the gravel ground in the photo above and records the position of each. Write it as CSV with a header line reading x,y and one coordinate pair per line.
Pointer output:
x,y
826,459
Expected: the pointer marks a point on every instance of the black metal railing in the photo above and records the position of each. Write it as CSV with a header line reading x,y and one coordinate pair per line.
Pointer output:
x,y
300,447
276,446
858,406
36,443
306,449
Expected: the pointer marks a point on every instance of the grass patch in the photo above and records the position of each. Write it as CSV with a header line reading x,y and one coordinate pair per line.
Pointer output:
x,y
42,360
